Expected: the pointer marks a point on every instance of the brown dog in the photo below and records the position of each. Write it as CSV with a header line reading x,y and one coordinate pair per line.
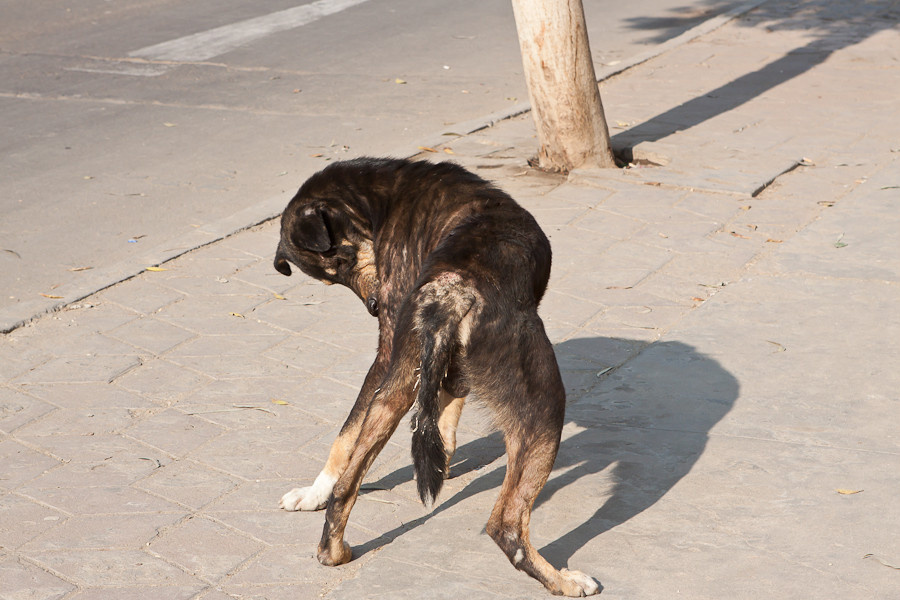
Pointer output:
x,y
454,269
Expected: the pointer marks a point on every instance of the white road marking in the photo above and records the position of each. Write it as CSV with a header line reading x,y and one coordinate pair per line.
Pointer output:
x,y
214,42
125,68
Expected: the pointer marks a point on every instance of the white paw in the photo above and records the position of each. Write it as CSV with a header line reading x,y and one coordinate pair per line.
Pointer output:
x,y
314,497
578,584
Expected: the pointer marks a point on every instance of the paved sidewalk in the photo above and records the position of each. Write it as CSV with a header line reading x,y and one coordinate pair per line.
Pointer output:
x,y
724,312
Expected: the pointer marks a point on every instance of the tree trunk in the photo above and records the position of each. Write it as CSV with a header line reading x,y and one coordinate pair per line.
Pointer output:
x,y
562,86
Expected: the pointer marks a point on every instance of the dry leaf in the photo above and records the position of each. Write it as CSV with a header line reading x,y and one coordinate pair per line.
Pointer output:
x,y
87,177
317,155
156,269
279,297
399,81
738,235
774,241
847,492
238,315
169,124
280,402
780,347
77,269
449,151
427,149
52,297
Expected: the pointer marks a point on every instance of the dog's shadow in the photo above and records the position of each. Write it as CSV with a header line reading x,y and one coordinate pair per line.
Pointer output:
x,y
639,427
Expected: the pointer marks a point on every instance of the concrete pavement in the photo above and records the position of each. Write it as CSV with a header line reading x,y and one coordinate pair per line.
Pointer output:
x,y
724,312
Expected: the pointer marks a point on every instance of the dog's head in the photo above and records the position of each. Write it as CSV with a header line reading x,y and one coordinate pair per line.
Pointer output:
x,y
327,240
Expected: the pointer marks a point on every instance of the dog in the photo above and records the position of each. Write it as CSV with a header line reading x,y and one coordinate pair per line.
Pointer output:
x,y
454,269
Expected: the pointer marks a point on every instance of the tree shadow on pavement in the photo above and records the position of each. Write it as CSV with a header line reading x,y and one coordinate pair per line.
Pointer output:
x,y
677,20
643,426
832,25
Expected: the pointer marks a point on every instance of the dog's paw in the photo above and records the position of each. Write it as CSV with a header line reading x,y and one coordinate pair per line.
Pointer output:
x,y
332,556
302,499
314,497
576,584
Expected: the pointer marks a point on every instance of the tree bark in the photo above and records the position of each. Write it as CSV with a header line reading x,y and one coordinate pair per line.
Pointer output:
x,y
562,86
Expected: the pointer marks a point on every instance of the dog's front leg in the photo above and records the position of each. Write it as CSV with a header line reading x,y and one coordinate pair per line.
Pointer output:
x,y
385,412
315,497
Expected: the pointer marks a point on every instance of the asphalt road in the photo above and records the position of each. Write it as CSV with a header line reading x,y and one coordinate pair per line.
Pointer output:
x,y
129,124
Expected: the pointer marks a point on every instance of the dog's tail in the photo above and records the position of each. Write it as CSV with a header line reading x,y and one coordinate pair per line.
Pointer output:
x,y
438,324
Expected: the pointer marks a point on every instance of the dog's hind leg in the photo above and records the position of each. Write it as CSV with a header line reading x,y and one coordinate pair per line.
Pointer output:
x,y
531,414
315,497
451,408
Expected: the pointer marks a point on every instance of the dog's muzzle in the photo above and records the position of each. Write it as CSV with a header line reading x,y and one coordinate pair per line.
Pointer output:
x,y
281,263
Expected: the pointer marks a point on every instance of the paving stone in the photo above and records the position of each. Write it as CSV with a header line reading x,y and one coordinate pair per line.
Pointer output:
x,y
81,369
104,532
90,396
270,592
327,399
174,432
151,335
562,307
114,470
262,274
81,421
23,520
259,454
22,580
259,241
162,381
205,548
217,314
226,366
140,592
142,296
18,409
283,565
116,568
227,345
21,464
98,500
249,403
88,448
188,483
308,354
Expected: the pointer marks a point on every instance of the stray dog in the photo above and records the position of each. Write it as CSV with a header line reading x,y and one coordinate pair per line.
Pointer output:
x,y
454,270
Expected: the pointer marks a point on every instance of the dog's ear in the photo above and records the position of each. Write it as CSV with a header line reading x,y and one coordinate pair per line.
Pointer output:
x,y
310,231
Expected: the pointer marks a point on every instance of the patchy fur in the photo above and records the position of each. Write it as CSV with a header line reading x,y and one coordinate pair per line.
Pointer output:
x,y
454,270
